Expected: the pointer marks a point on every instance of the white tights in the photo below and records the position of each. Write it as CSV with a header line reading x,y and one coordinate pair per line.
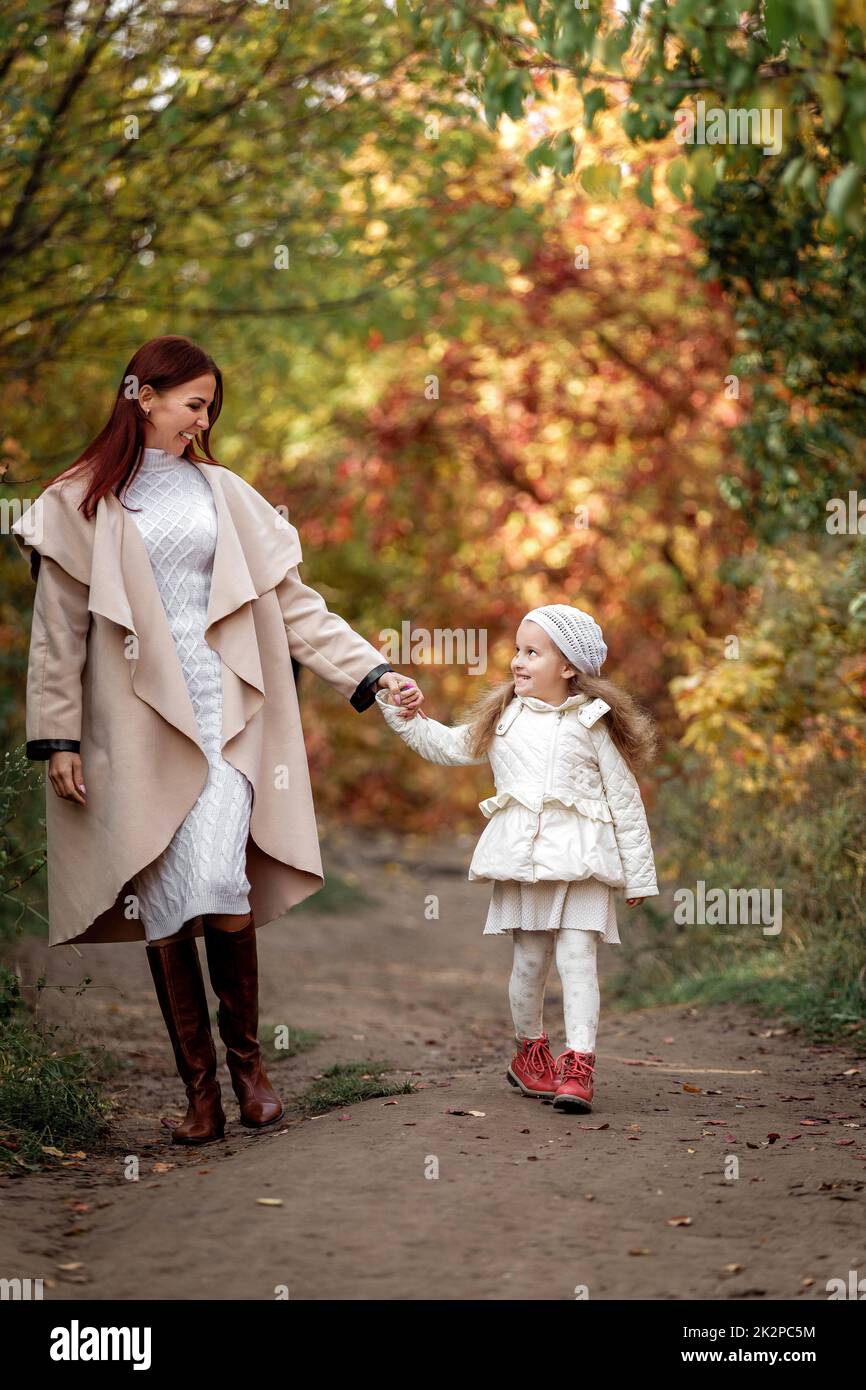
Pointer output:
x,y
575,952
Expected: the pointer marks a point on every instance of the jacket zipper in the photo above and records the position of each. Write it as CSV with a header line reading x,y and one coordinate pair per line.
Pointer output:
x,y
553,742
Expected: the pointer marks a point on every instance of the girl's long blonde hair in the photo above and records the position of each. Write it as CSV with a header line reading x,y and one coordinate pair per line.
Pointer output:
x,y
631,728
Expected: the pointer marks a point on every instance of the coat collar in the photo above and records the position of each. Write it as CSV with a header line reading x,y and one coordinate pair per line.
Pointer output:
x,y
532,703
255,549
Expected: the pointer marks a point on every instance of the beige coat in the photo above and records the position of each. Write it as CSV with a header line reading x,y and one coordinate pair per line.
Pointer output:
x,y
104,672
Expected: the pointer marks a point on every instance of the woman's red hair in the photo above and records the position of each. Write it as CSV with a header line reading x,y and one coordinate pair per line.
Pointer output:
x,y
113,458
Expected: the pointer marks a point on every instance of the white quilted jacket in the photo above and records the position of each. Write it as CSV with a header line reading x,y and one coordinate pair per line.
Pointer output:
x,y
567,805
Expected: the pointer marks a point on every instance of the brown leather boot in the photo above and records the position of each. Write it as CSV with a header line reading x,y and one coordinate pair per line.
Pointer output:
x,y
234,972
180,990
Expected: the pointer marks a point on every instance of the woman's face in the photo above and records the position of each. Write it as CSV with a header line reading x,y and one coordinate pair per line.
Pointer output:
x,y
178,414
538,666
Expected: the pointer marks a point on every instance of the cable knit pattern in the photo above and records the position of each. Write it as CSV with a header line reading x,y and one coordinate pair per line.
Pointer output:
x,y
203,868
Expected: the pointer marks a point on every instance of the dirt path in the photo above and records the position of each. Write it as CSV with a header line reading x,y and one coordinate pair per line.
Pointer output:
x,y
528,1203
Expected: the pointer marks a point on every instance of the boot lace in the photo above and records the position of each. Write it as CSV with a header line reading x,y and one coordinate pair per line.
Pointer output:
x,y
575,1066
537,1056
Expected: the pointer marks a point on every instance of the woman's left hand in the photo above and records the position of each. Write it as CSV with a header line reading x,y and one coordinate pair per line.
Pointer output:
x,y
402,691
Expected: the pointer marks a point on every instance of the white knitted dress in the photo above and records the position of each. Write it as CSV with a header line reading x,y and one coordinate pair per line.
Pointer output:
x,y
203,868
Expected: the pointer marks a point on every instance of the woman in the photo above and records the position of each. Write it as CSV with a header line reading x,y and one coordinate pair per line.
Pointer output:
x,y
168,611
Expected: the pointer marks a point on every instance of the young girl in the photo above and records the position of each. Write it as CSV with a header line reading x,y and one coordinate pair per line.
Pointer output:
x,y
566,827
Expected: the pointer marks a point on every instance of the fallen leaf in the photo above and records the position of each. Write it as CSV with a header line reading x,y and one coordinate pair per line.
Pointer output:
x,y
695,1090
679,1221
269,1201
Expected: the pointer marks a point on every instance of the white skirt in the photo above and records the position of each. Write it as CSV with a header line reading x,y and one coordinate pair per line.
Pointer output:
x,y
551,904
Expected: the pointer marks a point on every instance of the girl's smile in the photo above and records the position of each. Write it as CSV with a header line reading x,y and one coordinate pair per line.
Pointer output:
x,y
538,666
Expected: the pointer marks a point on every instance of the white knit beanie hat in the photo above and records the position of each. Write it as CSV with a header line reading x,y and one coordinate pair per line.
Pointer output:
x,y
577,635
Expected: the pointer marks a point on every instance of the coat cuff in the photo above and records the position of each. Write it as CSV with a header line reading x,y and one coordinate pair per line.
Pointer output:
x,y
40,749
365,693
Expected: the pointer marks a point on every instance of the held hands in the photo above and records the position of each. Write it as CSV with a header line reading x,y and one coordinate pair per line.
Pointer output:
x,y
402,692
66,777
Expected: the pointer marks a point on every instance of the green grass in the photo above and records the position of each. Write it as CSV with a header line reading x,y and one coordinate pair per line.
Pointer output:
x,y
298,1039
812,975
346,1083
51,1092
339,895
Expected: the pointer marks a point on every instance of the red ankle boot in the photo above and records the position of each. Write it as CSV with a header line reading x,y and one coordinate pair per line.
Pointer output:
x,y
532,1068
574,1080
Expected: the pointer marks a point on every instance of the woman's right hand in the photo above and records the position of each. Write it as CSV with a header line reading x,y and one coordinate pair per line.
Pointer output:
x,y
66,776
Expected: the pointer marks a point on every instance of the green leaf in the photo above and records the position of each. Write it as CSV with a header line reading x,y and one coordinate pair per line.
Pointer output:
x,y
701,171
832,95
593,102
844,193
512,97
601,179
822,15
543,154
793,169
564,157
675,178
645,187
780,20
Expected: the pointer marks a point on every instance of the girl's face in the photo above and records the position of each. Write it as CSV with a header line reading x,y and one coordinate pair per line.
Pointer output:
x,y
177,414
538,666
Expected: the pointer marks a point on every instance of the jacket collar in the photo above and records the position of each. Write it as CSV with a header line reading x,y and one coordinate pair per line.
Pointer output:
x,y
532,703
